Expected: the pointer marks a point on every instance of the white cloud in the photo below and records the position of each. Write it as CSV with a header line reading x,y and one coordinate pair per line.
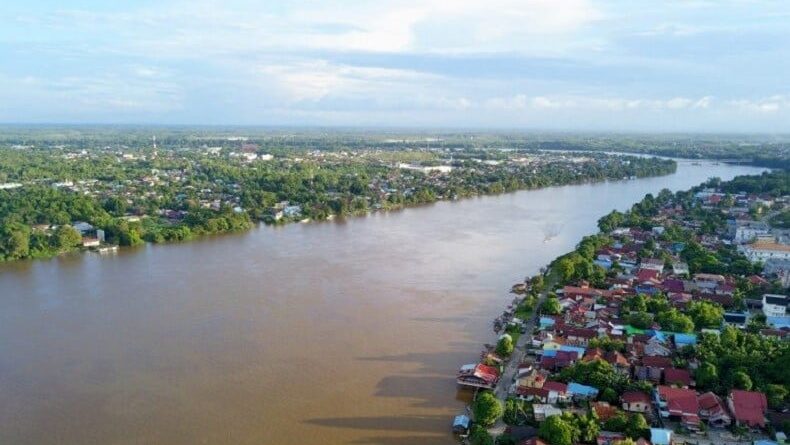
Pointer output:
x,y
770,104
319,79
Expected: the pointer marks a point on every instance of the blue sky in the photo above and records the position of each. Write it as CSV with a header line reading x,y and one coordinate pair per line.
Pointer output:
x,y
693,65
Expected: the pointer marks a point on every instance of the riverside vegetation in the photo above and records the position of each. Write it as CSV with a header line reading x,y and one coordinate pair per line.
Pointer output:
x,y
135,189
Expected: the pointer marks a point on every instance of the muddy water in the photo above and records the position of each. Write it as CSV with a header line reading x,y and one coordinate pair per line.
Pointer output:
x,y
342,332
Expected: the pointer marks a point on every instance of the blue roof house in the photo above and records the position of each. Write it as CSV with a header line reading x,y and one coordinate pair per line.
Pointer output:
x,y
659,436
582,391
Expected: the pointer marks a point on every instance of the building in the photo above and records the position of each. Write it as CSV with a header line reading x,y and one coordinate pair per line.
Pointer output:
x,y
677,377
679,403
659,436
748,231
713,411
478,376
542,411
636,402
736,319
748,408
763,251
774,305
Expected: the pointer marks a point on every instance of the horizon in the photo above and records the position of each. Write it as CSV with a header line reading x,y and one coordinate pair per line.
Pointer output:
x,y
570,66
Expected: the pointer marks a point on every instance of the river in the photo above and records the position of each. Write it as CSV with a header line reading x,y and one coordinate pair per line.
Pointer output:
x,y
342,332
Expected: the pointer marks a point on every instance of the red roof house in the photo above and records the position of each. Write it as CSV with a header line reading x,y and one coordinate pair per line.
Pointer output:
x,y
680,402
677,377
748,407
712,409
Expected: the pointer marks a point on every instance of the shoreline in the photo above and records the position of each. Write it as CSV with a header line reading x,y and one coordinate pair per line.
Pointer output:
x,y
331,217
505,365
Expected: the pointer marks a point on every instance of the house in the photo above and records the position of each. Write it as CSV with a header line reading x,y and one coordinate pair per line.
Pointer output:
x,y
580,336
712,410
558,392
655,347
582,392
551,392
461,424
735,319
652,368
748,408
659,436
558,360
609,438
774,305
683,340
604,411
708,282
680,378
636,402
478,376
535,379
679,403
543,411
680,268
656,264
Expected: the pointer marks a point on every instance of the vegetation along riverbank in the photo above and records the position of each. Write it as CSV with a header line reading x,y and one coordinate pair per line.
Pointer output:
x,y
668,326
60,193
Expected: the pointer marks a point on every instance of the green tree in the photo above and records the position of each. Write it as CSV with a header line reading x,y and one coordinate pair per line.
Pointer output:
x,y
637,426
706,376
556,431
504,346
486,408
617,423
14,241
480,436
551,306
706,315
66,237
776,395
741,380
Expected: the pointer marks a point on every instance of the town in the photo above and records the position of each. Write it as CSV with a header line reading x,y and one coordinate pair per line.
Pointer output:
x,y
670,326
127,189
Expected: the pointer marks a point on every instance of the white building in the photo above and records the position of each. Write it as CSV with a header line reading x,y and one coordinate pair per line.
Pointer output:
x,y
763,251
774,305
748,231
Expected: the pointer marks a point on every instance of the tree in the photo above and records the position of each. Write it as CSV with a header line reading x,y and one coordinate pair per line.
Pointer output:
x,y
66,237
706,315
741,380
14,241
551,306
556,431
515,411
617,423
588,428
609,395
776,395
486,408
673,320
637,426
707,376
480,436
504,346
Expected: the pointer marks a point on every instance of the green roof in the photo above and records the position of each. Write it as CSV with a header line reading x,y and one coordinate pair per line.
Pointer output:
x,y
630,330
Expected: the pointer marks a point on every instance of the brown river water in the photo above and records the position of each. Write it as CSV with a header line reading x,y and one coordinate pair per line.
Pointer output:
x,y
340,332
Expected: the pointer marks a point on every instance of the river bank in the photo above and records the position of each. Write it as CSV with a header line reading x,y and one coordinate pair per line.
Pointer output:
x,y
343,332
652,286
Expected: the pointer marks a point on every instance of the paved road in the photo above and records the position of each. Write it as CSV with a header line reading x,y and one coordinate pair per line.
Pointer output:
x,y
511,367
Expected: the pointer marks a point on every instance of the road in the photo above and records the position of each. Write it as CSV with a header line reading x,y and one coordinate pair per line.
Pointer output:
x,y
519,352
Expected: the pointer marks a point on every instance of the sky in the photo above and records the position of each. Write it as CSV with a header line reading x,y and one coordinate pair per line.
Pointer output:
x,y
618,65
